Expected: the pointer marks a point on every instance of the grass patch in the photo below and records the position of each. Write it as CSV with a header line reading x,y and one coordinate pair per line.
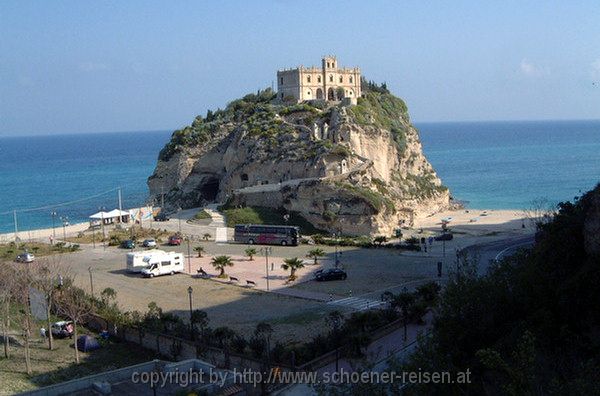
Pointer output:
x,y
9,251
376,199
202,215
264,215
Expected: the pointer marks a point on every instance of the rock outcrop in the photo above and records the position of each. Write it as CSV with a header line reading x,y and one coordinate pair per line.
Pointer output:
x,y
356,169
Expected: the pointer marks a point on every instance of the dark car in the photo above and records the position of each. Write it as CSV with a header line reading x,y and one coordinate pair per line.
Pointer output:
x,y
444,237
62,329
128,244
330,274
161,217
175,240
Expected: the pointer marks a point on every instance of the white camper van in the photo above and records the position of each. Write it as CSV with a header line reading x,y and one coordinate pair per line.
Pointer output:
x,y
136,261
167,263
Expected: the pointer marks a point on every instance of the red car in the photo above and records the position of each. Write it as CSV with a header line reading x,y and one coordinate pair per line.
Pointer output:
x,y
175,240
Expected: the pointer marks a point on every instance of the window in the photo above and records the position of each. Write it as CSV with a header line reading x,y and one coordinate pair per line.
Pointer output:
x,y
165,263
308,92
327,64
330,78
281,81
350,79
307,78
341,79
319,79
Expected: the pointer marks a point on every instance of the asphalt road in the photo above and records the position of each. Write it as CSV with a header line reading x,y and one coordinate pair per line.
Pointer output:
x,y
488,252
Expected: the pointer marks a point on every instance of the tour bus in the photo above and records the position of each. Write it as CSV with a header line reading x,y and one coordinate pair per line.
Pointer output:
x,y
266,234
136,261
167,263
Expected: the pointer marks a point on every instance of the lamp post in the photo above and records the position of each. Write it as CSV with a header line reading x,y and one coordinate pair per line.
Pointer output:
x,y
189,255
267,250
65,223
91,281
53,214
190,291
101,209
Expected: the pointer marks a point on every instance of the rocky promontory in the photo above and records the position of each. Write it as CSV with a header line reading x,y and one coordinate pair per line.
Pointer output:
x,y
355,169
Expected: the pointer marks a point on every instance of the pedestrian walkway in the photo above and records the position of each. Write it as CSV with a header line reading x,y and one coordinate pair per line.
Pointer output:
x,y
357,303
217,218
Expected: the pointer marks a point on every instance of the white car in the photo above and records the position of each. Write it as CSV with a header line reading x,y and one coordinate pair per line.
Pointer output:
x,y
149,243
25,258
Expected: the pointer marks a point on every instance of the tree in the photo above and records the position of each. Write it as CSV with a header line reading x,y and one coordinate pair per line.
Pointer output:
x,y
23,282
45,279
292,264
75,305
206,236
199,318
263,332
107,295
404,301
220,262
539,212
315,254
250,252
200,250
7,297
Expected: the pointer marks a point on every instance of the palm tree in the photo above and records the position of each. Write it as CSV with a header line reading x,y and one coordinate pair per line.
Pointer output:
x,y
250,252
292,264
315,254
220,262
200,250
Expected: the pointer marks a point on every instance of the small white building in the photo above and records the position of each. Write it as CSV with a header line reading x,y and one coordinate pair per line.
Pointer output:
x,y
112,217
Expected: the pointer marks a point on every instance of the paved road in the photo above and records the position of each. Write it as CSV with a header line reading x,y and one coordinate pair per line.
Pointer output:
x,y
488,252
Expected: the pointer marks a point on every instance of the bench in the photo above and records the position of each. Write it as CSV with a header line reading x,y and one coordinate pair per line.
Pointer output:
x,y
250,283
233,279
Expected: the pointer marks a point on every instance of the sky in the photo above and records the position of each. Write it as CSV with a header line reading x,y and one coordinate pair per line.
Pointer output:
x,y
90,66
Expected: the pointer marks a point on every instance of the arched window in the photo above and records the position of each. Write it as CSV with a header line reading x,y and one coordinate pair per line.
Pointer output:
x,y
341,79
351,80
281,81
331,78
327,64
318,78
307,78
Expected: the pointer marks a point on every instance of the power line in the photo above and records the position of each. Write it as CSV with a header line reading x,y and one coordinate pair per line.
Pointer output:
x,y
60,204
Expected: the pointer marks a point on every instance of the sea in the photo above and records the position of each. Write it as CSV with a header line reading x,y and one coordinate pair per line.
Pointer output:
x,y
486,165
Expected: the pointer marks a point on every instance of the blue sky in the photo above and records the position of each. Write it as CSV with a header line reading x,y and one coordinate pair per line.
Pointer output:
x,y
86,66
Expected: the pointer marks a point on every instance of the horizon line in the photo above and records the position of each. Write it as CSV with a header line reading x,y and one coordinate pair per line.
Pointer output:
x,y
30,134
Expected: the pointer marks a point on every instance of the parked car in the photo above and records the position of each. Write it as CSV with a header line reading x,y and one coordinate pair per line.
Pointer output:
x,y
149,243
175,240
128,244
25,258
447,236
161,217
62,329
330,274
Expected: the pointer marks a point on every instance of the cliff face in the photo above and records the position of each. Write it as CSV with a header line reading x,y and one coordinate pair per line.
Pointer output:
x,y
359,169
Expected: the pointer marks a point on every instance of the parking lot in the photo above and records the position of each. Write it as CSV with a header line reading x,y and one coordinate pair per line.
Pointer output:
x,y
294,309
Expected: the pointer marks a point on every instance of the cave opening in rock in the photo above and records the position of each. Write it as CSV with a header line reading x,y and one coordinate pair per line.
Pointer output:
x,y
210,189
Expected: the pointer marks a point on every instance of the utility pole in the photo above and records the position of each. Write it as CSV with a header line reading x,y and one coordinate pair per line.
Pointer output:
x,y
53,214
162,198
16,226
120,201
189,255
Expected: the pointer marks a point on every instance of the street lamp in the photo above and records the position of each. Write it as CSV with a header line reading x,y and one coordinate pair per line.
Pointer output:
x,y
101,209
267,250
189,255
65,223
91,281
53,214
190,291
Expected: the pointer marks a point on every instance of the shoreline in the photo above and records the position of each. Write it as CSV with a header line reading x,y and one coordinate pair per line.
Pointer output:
x,y
474,220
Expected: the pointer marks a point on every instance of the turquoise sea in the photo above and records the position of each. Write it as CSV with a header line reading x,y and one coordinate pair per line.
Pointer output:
x,y
492,165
